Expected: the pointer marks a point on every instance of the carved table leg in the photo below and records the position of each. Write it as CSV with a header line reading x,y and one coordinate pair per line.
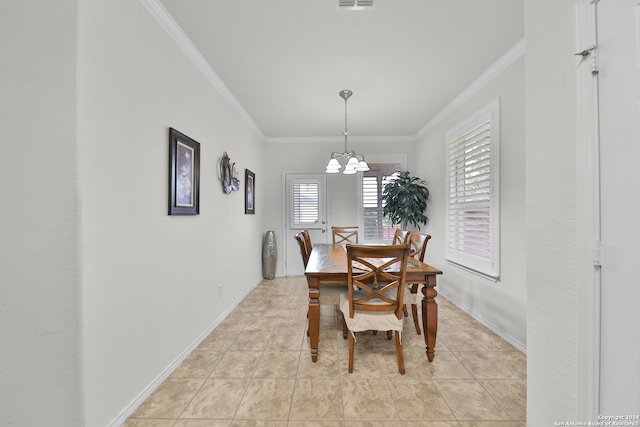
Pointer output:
x,y
314,318
430,316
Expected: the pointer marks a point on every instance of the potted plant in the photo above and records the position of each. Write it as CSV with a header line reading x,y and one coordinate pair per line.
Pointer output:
x,y
405,200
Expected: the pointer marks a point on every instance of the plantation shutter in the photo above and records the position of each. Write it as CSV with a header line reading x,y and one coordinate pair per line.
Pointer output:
x,y
472,195
306,203
376,227
371,207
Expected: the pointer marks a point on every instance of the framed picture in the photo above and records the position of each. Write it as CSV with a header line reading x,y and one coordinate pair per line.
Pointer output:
x,y
249,192
184,174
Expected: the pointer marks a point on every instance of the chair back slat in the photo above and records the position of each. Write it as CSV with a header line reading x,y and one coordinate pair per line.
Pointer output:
x,y
304,250
400,236
343,235
307,240
418,242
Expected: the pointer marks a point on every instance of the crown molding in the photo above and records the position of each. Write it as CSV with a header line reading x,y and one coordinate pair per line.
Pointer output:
x,y
182,40
492,72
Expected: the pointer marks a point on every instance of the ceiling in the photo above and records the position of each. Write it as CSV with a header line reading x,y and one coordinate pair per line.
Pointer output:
x,y
284,61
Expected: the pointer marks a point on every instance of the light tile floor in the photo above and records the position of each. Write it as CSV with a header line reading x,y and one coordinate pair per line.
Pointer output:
x,y
255,370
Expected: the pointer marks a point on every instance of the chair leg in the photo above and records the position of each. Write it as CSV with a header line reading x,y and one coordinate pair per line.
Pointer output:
x,y
414,312
345,330
399,354
389,335
351,345
404,310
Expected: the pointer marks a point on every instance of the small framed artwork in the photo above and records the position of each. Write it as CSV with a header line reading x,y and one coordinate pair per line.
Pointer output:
x,y
249,192
184,174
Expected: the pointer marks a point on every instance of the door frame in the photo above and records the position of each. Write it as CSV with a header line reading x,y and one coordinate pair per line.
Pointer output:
x,y
588,211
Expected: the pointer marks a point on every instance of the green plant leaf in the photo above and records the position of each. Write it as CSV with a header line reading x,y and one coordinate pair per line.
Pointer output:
x,y
406,200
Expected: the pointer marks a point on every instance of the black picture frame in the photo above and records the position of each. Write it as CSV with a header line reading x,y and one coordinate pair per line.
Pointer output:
x,y
184,174
249,192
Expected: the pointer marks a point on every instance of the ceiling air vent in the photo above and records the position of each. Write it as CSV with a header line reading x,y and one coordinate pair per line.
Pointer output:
x,y
354,4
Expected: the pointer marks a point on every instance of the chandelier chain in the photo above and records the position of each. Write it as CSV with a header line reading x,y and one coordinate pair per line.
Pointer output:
x,y
346,133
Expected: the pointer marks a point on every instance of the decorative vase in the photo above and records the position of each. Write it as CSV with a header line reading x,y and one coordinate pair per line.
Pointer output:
x,y
269,255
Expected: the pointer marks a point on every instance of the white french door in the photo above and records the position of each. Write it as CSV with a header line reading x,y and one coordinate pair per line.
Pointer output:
x,y
306,207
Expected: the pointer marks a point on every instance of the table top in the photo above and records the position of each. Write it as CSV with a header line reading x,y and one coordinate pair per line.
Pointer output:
x,y
332,259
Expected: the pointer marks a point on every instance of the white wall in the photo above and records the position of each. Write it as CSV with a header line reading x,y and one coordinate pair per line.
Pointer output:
x,y
551,147
39,303
312,158
502,304
149,280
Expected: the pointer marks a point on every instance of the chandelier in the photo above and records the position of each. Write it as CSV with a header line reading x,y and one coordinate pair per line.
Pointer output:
x,y
351,161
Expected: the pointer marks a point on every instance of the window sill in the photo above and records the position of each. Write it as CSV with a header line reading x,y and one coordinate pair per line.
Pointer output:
x,y
489,277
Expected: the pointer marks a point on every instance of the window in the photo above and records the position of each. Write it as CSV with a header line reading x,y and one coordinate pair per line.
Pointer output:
x,y
473,193
306,206
376,227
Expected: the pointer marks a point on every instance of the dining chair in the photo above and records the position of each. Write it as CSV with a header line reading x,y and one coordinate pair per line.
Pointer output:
x,y
329,294
418,244
400,236
373,300
343,235
307,240
305,250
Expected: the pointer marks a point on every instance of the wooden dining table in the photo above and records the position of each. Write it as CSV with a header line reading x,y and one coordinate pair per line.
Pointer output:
x,y
328,266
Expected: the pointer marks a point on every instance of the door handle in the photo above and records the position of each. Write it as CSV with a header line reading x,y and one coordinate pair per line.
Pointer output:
x,y
324,230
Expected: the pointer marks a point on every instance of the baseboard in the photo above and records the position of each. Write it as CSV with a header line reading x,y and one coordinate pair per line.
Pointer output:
x,y
502,334
130,409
